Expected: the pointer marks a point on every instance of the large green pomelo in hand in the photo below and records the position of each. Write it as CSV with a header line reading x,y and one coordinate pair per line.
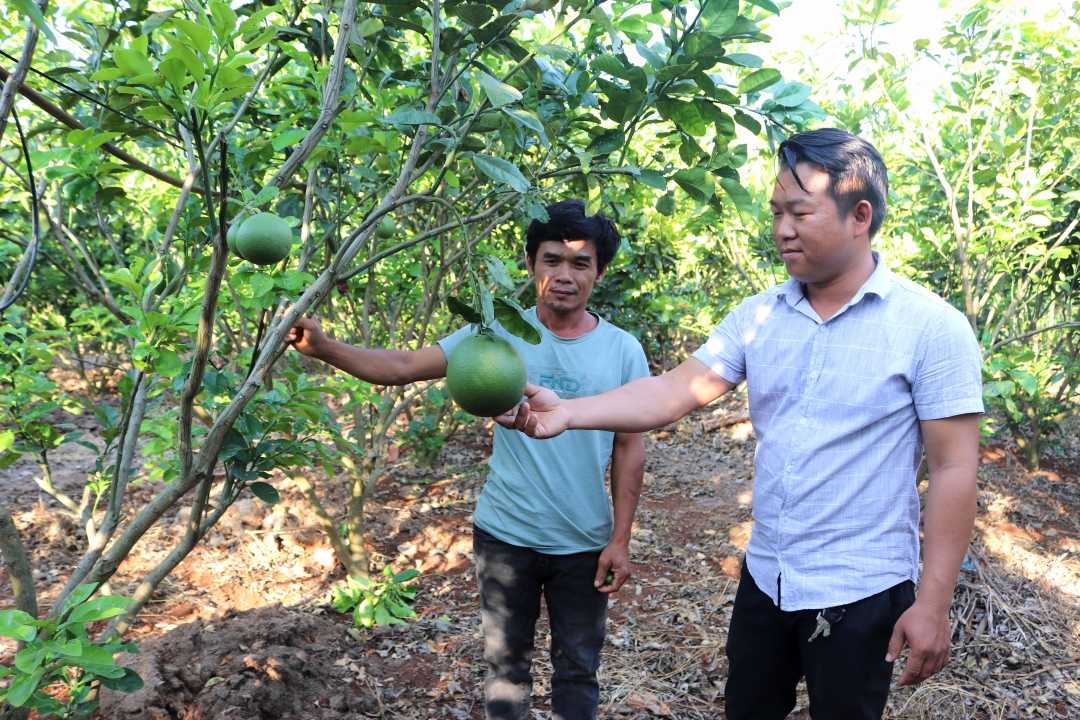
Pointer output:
x,y
485,375
264,239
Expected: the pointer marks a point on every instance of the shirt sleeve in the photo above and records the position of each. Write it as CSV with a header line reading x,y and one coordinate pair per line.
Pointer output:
x,y
948,379
724,352
450,342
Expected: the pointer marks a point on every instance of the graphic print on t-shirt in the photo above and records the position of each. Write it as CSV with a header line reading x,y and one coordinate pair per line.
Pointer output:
x,y
567,385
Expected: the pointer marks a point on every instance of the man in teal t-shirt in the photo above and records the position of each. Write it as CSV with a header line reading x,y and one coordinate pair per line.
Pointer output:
x,y
543,525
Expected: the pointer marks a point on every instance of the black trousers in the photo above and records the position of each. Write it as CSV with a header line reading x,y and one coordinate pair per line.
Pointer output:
x,y
511,580
846,674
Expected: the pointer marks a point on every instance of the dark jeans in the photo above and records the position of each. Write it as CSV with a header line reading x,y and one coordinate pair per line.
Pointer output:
x,y
847,677
511,581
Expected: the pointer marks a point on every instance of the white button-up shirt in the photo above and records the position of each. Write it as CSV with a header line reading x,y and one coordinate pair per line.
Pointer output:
x,y
836,407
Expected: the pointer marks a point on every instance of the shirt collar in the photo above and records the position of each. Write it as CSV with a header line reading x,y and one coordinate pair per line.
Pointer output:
x,y
879,283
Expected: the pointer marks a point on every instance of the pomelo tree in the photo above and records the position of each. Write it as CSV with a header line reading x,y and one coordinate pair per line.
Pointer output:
x,y
398,140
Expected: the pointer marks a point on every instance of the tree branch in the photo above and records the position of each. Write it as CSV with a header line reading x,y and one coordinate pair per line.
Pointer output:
x,y
33,96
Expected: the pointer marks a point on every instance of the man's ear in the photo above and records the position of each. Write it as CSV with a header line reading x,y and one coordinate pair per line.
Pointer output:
x,y
863,215
529,265
600,275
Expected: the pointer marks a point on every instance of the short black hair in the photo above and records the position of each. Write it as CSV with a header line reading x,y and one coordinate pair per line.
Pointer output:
x,y
567,221
855,168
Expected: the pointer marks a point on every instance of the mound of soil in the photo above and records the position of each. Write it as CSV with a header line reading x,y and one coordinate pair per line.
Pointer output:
x,y
253,665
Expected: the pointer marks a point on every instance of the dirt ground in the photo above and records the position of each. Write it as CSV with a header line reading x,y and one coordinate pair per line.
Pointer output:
x,y
243,628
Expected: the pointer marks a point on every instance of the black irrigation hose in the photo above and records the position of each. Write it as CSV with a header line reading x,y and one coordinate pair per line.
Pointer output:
x,y
33,246
103,105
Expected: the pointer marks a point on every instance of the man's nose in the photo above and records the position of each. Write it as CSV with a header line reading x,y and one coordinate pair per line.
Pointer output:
x,y
783,227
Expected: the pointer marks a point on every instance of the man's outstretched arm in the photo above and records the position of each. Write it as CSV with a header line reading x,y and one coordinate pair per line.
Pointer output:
x,y
952,455
636,407
380,367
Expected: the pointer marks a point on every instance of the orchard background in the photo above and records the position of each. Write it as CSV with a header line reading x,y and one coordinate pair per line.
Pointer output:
x,y
152,423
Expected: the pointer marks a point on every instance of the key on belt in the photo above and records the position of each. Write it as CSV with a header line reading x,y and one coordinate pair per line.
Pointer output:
x,y
825,620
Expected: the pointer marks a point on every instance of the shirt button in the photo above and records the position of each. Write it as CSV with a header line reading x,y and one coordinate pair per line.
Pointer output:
x,y
813,376
791,468
783,513
803,421
821,328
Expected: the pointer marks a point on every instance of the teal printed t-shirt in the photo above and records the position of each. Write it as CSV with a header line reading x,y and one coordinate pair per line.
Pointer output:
x,y
549,495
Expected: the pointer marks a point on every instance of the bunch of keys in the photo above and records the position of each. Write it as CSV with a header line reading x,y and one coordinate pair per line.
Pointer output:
x,y
825,620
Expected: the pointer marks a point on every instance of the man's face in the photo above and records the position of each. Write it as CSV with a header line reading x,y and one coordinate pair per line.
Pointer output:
x,y
815,244
565,272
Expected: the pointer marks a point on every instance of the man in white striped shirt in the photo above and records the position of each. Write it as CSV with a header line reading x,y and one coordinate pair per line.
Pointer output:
x,y
852,373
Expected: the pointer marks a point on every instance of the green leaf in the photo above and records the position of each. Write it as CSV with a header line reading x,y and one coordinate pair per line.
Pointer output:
x,y
599,15
744,60
666,205
718,16
191,60
78,597
132,62
606,142
792,94
98,140
265,492
224,20
6,439
653,179
410,117
265,195
498,93
672,72
498,272
486,305
172,68
457,307
101,607
29,659
696,182
475,15
501,171
748,122
155,21
107,74
609,65
742,200
199,35
759,80
261,284
128,683
257,17
30,8
168,364
766,5
97,660
16,624
23,686
288,139
406,575
516,321
530,120
685,115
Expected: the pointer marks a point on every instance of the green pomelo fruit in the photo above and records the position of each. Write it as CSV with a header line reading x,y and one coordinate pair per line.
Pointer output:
x,y
485,375
264,239
386,228
230,237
